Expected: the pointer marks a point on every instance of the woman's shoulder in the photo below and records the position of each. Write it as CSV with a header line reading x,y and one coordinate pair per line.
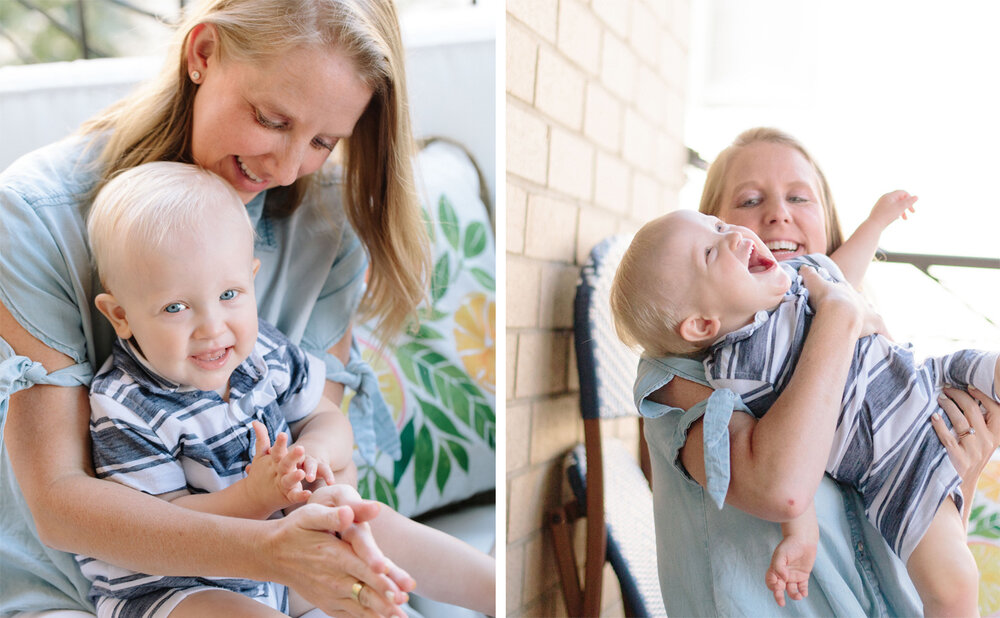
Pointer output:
x,y
62,173
322,208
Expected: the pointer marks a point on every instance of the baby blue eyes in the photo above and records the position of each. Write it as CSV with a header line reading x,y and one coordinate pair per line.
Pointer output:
x,y
178,307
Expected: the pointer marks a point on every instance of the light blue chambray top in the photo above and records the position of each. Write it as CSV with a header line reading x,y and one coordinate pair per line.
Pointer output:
x,y
712,557
310,282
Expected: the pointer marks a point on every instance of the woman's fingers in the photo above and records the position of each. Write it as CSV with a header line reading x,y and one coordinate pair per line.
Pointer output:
x,y
822,292
314,516
990,415
360,536
974,434
948,438
345,495
960,408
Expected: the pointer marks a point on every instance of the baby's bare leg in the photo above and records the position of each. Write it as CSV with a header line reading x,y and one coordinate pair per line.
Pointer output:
x,y
222,603
447,569
942,567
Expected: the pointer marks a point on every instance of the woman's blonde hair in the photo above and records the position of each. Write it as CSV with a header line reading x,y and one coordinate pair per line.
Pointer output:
x,y
379,193
711,196
146,205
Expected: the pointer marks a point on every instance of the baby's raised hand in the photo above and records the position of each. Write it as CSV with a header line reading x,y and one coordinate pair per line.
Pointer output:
x,y
892,206
791,564
316,469
275,475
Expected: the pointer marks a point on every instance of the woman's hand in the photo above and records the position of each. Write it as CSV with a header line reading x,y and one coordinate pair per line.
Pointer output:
x,y
840,296
980,431
323,568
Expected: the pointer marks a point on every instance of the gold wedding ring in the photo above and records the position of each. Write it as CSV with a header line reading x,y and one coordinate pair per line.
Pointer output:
x,y
356,591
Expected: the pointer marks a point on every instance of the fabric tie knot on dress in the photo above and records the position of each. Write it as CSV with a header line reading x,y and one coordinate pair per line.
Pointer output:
x,y
370,417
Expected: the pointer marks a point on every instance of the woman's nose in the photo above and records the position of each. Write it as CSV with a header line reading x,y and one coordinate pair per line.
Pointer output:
x,y
777,212
288,164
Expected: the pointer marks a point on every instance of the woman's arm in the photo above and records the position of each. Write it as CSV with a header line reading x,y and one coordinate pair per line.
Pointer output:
x,y
47,438
778,461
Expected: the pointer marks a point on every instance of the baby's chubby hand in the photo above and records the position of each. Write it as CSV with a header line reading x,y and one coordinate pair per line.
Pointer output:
x,y
275,475
791,564
892,206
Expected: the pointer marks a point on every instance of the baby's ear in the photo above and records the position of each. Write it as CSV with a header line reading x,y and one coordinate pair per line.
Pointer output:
x,y
699,329
108,305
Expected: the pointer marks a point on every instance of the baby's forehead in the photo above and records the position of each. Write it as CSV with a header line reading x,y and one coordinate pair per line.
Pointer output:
x,y
662,241
677,228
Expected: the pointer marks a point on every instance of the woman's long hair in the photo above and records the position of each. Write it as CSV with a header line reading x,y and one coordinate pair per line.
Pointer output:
x,y
380,197
711,196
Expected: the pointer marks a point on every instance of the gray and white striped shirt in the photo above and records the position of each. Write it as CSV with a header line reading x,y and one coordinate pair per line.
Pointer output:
x,y
884,444
158,437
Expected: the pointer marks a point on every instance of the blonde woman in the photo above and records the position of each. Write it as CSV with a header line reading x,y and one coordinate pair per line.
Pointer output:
x,y
259,92
711,559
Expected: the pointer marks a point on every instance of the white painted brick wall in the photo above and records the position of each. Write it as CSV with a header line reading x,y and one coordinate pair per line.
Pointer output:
x,y
595,112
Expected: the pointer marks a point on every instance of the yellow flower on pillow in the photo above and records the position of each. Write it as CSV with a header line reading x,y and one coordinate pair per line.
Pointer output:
x,y
475,338
390,383
989,482
987,556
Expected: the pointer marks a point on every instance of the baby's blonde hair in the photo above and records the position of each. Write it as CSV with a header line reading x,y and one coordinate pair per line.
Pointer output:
x,y
645,309
379,193
146,205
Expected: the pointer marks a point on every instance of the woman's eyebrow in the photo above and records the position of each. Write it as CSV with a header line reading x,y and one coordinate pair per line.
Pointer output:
x,y
799,184
744,185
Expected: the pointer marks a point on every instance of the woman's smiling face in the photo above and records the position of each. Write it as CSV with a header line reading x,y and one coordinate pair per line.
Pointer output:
x,y
774,191
262,125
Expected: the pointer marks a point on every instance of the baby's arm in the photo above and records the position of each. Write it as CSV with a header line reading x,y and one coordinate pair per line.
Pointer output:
x,y
854,256
328,441
273,482
793,558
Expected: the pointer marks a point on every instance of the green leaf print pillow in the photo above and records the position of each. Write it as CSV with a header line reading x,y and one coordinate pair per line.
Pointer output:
x,y
440,381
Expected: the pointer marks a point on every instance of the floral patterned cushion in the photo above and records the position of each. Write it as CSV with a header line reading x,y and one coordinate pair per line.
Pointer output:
x,y
984,537
440,381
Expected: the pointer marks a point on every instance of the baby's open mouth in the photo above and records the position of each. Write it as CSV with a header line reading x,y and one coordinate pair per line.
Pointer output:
x,y
213,359
759,263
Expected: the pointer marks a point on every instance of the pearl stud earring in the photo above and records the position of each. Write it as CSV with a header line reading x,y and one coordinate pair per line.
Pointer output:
x,y
195,76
